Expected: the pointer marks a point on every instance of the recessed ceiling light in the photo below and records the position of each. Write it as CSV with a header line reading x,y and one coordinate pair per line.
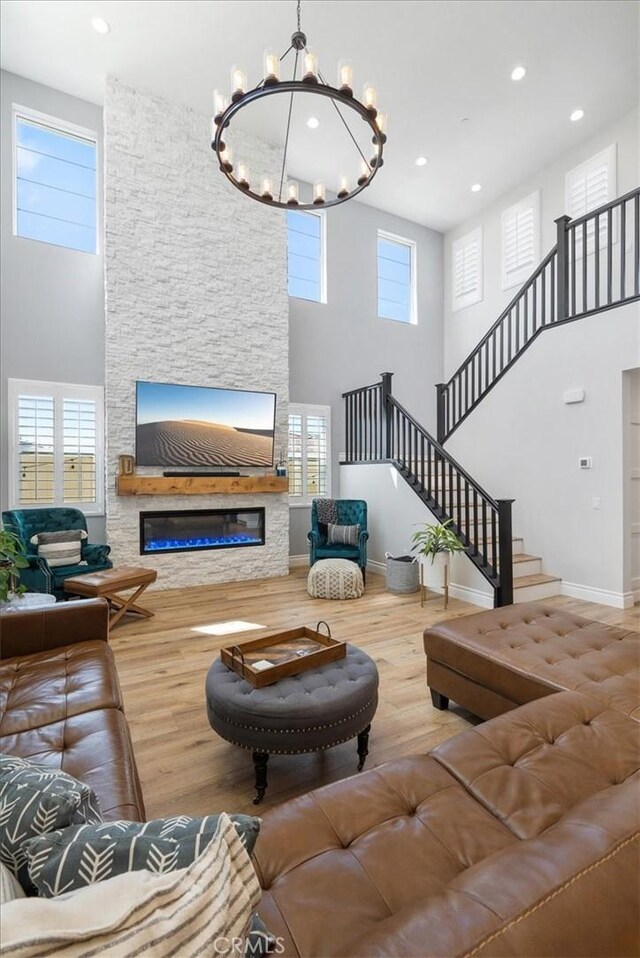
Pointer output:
x,y
421,161
313,122
476,188
576,115
518,73
464,119
100,25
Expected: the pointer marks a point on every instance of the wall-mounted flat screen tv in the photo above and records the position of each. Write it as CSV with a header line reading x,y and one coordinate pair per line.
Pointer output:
x,y
203,426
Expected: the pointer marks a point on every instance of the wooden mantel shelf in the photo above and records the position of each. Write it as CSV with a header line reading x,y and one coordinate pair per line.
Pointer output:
x,y
198,485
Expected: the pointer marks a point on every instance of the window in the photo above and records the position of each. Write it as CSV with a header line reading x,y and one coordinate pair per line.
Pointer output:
x,y
466,269
56,445
309,461
520,240
588,186
55,182
306,259
396,278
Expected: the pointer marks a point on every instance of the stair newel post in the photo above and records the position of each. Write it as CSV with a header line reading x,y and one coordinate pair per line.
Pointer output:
x,y
504,593
386,416
441,428
562,283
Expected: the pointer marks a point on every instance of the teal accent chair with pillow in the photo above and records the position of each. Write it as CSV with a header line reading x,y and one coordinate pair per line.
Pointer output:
x,y
40,576
350,512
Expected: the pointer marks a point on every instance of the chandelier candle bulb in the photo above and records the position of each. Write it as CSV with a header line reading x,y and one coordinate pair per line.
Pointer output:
x,y
345,78
238,83
370,97
318,193
292,193
310,65
226,159
344,187
381,123
271,68
243,175
219,105
267,188
364,173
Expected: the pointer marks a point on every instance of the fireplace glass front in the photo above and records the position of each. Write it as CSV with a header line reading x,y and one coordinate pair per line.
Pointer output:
x,y
198,529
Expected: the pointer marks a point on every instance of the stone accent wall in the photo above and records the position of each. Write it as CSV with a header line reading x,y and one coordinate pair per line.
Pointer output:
x,y
196,293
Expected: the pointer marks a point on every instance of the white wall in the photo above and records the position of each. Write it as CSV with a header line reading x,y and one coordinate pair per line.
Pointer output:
x,y
52,299
523,441
196,294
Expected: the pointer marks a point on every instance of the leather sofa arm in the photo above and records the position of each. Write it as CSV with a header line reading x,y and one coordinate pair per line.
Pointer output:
x,y
26,633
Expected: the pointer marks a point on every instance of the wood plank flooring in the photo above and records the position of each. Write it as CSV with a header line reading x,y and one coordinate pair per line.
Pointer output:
x,y
162,662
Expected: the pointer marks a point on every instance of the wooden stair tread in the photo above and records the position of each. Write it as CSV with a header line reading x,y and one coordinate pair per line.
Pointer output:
x,y
524,557
540,578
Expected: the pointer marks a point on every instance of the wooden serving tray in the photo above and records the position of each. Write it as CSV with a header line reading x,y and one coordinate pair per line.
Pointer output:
x,y
288,653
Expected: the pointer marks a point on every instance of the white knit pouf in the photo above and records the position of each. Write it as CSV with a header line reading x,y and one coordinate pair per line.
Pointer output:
x,y
335,579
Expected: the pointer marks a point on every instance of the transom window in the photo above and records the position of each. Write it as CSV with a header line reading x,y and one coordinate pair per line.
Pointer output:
x,y
55,188
56,445
396,278
306,255
309,459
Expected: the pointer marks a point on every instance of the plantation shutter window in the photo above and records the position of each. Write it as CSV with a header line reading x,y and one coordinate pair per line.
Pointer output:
x,y
56,445
520,241
55,188
396,278
309,458
466,270
589,186
306,255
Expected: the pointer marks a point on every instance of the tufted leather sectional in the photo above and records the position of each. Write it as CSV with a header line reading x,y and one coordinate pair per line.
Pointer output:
x,y
60,701
494,661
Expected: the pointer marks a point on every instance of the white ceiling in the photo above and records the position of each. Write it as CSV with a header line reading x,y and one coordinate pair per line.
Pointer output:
x,y
433,61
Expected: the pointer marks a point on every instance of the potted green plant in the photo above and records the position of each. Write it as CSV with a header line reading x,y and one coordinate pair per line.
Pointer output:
x,y
436,543
12,559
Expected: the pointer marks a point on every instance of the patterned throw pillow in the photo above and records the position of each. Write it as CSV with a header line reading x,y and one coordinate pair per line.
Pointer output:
x,y
35,799
201,910
71,858
342,535
60,548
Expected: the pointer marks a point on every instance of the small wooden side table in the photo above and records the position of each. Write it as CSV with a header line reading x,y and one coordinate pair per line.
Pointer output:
x,y
423,587
109,583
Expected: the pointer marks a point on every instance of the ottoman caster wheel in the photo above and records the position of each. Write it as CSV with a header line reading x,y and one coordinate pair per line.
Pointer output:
x,y
260,760
363,747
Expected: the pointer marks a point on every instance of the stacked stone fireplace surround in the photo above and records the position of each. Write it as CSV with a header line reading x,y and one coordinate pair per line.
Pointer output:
x,y
196,294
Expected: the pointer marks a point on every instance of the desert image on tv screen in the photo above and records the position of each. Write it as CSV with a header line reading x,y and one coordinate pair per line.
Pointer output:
x,y
202,426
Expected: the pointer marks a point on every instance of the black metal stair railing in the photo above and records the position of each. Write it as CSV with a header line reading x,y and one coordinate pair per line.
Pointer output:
x,y
566,286
379,429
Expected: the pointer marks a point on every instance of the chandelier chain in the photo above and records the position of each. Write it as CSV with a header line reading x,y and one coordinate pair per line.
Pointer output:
x,y
298,13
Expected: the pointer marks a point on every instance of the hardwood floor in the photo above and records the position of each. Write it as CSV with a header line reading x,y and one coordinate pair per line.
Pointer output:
x,y
162,662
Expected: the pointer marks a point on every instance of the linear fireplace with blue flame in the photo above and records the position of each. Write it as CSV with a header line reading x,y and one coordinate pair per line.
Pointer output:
x,y
195,530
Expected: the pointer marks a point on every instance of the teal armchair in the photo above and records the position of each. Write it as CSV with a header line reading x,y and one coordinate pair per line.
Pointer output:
x,y
351,512
40,577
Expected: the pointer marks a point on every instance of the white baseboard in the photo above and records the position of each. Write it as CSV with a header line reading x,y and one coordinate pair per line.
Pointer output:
x,y
474,596
618,600
378,567
298,561
635,589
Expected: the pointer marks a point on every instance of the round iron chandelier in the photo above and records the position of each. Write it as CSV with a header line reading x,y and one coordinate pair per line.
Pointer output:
x,y
280,191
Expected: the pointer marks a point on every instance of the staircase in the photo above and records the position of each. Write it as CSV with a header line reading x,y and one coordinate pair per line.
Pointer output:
x,y
567,285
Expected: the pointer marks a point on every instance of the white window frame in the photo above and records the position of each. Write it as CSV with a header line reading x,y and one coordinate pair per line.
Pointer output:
x,y
59,392
476,295
610,157
519,276
306,409
323,258
56,125
413,269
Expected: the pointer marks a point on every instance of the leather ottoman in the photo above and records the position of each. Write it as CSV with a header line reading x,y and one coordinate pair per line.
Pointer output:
x,y
493,661
308,712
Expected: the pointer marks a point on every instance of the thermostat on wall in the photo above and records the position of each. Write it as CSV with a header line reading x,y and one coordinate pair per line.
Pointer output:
x,y
586,462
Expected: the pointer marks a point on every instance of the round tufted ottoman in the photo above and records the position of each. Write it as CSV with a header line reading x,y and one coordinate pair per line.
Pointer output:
x,y
303,713
335,579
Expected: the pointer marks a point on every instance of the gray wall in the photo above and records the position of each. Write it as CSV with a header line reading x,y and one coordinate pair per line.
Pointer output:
x,y
52,299
342,344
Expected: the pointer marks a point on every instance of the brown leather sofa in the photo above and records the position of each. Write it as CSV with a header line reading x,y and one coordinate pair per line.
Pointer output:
x,y
61,704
